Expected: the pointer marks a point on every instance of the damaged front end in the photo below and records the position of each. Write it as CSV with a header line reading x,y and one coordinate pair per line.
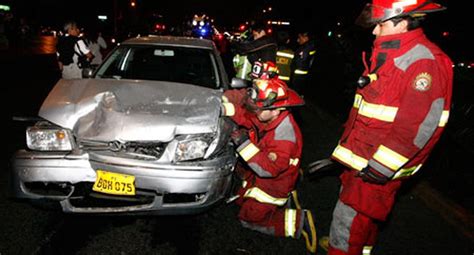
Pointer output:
x,y
127,147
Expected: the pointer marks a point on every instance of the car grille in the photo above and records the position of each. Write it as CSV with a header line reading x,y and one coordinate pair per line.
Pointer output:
x,y
83,196
143,150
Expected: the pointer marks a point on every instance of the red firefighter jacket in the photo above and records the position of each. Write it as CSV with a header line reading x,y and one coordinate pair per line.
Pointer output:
x,y
399,116
272,153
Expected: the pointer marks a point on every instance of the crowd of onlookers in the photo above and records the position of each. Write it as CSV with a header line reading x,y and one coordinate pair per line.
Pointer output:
x,y
13,30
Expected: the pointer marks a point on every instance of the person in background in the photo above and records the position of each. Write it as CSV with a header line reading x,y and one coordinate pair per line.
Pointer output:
x,y
261,48
284,56
302,62
96,44
269,142
400,110
69,48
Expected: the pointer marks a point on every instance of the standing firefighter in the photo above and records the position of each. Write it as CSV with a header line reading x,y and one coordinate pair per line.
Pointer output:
x,y
400,110
302,62
284,56
270,144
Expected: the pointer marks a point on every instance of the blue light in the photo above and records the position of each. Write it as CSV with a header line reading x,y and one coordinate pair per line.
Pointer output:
x,y
203,31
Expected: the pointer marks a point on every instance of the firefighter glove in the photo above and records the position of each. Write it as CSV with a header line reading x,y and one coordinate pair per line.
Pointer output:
x,y
371,175
239,136
249,103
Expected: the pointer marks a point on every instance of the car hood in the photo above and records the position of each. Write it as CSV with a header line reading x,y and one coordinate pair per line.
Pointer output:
x,y
131,110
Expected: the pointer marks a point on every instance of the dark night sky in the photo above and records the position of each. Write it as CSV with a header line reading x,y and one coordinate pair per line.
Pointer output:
x,y
227,13
53,12
314,14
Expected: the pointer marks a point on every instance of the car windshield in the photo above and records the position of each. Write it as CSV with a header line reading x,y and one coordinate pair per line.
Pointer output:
x,y
162,63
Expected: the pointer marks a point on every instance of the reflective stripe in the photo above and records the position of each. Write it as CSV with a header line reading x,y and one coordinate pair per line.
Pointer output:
x,y
294,161
348,157
290,222
358,162
377,111
262,197
366,250
244,68
407,171
357,100
390,158
385,113
284,54
248,151
229,109
312,52
372,77
244,184
284,78
298,71
444,118
225,99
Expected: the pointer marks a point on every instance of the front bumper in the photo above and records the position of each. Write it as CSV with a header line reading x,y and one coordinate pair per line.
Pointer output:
x,y
67,178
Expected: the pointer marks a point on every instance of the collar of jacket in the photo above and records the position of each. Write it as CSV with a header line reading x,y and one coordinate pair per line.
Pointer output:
x,y
398,41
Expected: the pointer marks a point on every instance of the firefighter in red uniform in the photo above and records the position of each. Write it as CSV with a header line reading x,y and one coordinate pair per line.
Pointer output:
x,y
400,110
271,145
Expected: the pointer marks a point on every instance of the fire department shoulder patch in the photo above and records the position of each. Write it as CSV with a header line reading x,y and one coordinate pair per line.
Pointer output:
x,y
272,156
422,82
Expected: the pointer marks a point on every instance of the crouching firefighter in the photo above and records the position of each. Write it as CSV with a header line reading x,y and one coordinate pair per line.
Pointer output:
x,y
270,143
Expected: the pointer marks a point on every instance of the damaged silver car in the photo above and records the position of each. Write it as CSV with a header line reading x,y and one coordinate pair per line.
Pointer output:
x,y
142,135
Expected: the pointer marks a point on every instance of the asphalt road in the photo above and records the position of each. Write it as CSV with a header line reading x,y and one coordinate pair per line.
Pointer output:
x,y
424,221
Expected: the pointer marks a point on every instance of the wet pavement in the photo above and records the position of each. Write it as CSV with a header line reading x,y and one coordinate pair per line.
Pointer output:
x,y
428,218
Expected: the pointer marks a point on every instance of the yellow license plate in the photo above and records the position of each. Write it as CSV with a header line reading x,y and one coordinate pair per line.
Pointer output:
x,y
114,183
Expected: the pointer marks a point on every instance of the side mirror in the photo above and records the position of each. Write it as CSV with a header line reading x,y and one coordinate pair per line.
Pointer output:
x,y
88,72
238,83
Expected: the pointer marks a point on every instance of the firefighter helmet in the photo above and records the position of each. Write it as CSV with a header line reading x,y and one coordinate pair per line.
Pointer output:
x,y
383,10
273,93
266,70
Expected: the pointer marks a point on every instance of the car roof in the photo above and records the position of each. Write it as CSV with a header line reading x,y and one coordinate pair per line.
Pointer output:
x,y
180,41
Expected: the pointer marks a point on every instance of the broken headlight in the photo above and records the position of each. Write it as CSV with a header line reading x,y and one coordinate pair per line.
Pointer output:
x,y
48,138
192,147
